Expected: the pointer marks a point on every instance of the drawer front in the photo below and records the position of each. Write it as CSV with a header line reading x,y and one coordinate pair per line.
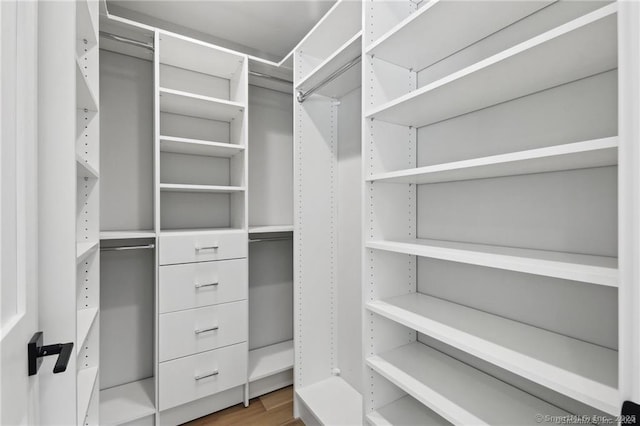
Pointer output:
x,y
197,330
192,285
201,247
226,368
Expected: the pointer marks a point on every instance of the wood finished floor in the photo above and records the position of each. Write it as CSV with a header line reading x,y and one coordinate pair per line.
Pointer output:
x,y
272,409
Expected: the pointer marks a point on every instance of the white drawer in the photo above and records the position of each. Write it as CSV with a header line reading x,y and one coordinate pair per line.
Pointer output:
x,y
179,383
197,330
184,247
191,285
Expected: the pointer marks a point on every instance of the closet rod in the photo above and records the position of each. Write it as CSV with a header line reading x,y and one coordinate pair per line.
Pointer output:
x,y
302,96
126,40
270,77
120,248
259,240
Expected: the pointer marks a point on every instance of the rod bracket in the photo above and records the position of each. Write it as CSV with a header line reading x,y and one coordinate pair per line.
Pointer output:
x,y
36,351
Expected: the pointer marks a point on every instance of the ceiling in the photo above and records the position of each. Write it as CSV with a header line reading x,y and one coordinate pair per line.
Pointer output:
x,y
265,28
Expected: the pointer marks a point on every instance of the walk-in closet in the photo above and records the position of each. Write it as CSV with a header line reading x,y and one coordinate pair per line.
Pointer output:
x,y
320,212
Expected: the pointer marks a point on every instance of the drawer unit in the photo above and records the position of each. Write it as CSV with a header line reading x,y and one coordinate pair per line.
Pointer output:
x,y
192,285
185,247
197,330
186,379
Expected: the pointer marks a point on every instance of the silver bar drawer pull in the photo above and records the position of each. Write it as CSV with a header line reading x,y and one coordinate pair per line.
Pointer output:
x,y
204,330
204,376
207,285
213,246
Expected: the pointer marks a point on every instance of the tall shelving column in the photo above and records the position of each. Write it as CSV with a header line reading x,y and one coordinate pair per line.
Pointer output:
x,y
87,210
201,219
458,168
327,344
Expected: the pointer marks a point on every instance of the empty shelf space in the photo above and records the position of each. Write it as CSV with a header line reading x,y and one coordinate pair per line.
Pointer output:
x,y
83,250
85,320
339,59
85,98
270,360
579,155
86,384
268,229
405,411
189,104
126,235
195,55
333,402
126,403
455,25
459,393
85,169
581,48
580,370
176,187
577,267
198,147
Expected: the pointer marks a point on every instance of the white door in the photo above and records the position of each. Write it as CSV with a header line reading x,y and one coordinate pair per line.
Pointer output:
x,y
18,210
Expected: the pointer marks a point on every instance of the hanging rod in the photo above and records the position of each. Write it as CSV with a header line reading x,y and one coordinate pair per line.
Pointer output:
x,y
259,240
126,40
121,248
270,77
302,96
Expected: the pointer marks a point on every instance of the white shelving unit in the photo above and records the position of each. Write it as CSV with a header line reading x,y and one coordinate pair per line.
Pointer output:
x,y
126,235
448,337
127,403
87,211
327,132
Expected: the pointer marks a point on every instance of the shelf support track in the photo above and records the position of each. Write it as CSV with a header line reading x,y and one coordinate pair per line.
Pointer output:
x,y
302,96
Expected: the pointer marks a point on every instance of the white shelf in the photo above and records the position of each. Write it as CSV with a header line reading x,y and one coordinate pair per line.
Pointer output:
x,y
266,229
126,235
459,393
455,25
577,267
405,411
333,402
85,169
583,371
126,403
270,360
190,104
85,99
349,81
177,187
86,318
583,47
83,250
86,381
198,147
579,155
195,55
84,23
